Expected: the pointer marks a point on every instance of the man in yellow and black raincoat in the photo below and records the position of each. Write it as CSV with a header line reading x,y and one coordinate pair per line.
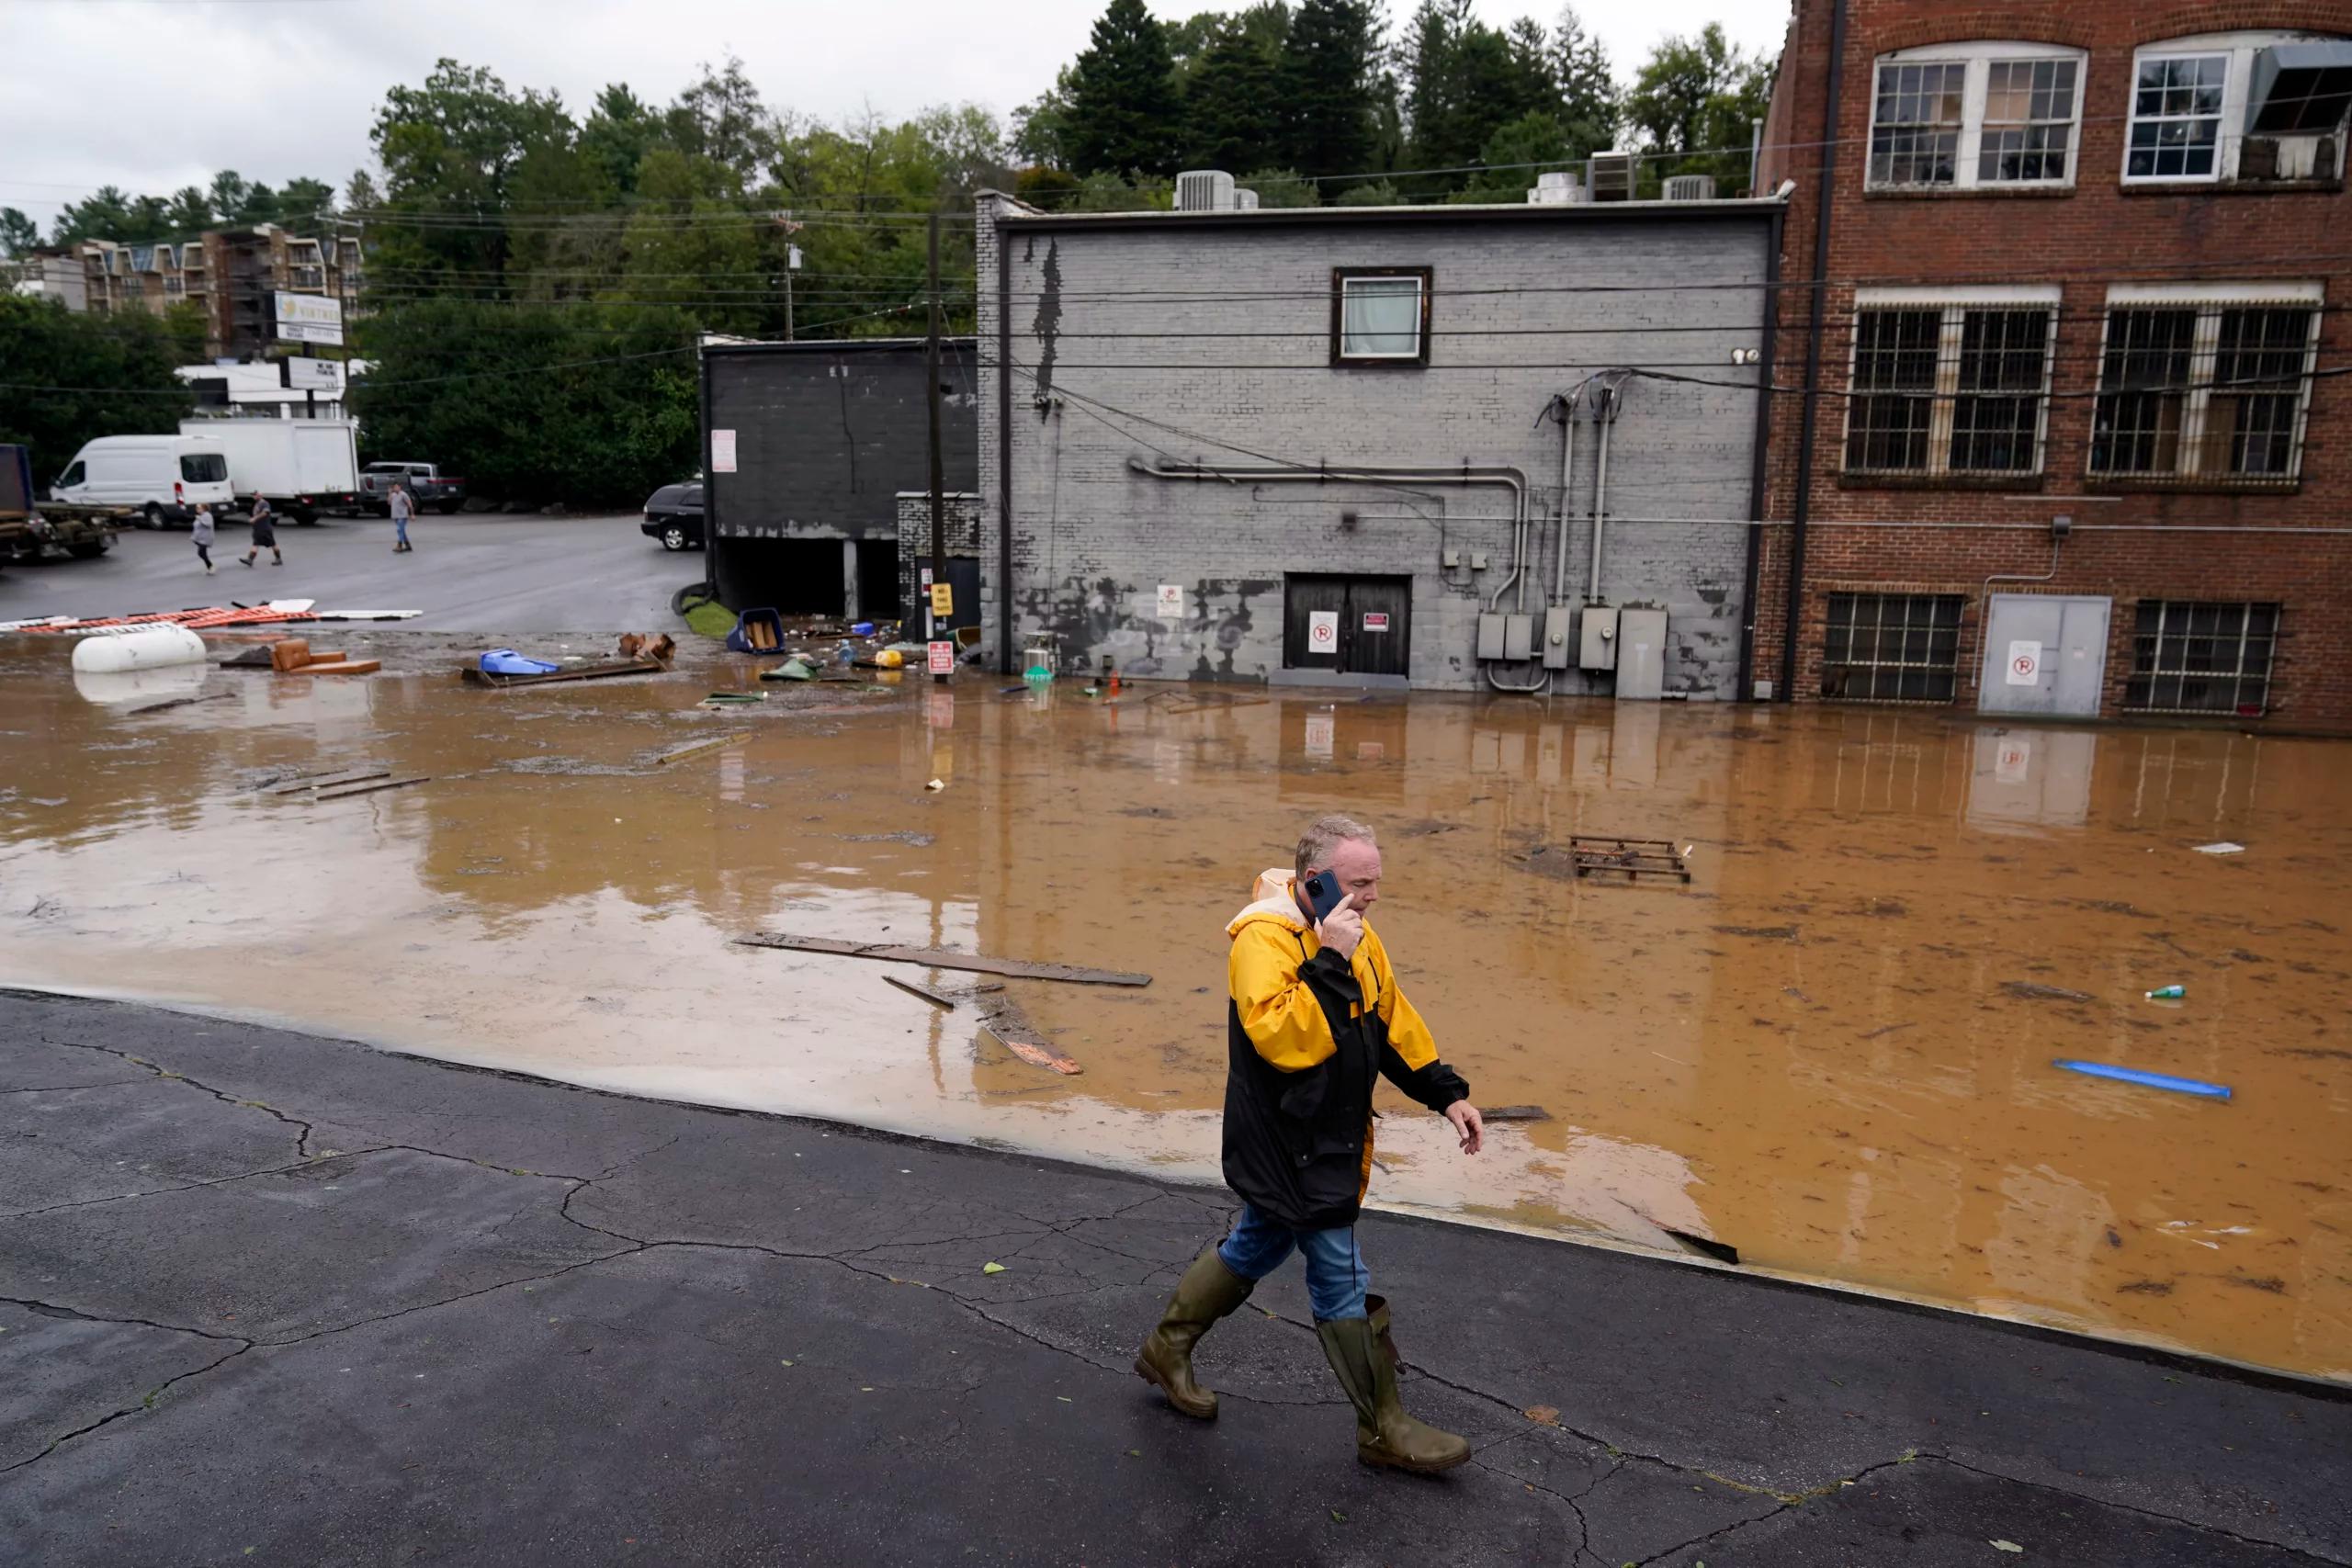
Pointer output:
x,y
1312,1013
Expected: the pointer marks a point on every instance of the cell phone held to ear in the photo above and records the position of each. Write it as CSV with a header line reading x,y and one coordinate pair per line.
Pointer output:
x,y
1323,895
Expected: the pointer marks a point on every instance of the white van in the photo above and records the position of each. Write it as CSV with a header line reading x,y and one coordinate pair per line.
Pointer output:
x,y
162,476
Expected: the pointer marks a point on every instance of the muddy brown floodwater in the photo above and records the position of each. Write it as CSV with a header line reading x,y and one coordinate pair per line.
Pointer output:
x,y
1831,1050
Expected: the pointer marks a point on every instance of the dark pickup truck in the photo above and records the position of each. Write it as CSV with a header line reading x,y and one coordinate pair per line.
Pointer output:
x,y
427,486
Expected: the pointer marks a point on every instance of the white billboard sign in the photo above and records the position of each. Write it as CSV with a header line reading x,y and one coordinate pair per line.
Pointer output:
x,y
309,318
722,459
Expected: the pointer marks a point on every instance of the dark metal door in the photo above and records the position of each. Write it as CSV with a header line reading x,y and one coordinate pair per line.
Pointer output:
x,y
1315,618
1376,635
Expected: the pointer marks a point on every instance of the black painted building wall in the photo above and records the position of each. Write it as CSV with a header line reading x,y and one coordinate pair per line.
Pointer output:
x,y
827,434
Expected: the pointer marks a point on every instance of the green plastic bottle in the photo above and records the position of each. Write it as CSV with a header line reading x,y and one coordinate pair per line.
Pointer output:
x,y
2167,993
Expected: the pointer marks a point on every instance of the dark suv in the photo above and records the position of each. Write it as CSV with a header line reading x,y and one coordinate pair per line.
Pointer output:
x,y
674,516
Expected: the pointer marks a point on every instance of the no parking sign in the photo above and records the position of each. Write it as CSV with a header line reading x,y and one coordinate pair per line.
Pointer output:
x,y
1323,631
2024,664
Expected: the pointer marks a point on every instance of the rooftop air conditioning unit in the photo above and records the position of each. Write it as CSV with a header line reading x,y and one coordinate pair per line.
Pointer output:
x,y
1612,176
1244,199
1559,188
1689,188
1205,190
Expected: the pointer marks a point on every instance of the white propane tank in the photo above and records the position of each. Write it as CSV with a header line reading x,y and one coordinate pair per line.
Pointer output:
x,y
150,649
134,686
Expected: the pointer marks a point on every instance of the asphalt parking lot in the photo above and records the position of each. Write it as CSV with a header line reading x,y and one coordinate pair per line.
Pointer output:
x,y
487,573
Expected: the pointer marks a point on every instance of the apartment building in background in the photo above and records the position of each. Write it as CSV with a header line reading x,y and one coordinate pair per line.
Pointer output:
x,y
235,275
2069,280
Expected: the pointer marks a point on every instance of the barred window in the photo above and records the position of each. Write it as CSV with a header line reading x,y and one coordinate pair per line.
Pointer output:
x,y
1914,130
1967,116
2188,656
1894,386
1947,389
2207,390
1892,647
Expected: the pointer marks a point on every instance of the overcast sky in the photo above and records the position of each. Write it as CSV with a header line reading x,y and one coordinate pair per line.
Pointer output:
x,y
170,90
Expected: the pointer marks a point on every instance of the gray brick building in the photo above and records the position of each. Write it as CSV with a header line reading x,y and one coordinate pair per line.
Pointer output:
x,y
1321,445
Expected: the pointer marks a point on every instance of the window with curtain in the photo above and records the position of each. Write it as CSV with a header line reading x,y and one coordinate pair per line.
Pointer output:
x,y
1380,316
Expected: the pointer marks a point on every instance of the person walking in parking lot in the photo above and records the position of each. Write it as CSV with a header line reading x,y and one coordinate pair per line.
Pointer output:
x,y
401,505
200,527
1313,1014
264,535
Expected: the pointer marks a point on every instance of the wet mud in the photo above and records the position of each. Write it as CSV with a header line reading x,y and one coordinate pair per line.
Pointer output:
x,y
1831,1050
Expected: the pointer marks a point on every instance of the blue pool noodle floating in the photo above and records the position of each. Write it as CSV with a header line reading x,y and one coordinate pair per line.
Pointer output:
x,y
2150,1080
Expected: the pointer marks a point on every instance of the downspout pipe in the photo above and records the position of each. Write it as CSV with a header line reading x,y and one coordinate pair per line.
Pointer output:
x,y
1758,470
1800,510
1567,406
1005,665
1604,414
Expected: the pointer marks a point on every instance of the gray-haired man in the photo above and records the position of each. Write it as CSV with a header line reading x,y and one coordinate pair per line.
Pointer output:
x,y
1312,1013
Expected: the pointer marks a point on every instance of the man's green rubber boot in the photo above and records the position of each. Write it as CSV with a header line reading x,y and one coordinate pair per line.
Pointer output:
x,y
1384,1434
1207,1291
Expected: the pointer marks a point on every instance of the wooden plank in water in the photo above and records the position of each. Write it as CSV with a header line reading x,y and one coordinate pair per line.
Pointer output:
x,y
940,958
925,992
330,780
345,794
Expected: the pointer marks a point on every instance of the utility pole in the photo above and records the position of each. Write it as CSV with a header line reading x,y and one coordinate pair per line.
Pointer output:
x,y
938,488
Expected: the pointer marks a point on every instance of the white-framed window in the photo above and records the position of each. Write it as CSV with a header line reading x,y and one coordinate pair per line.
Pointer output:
x,y
1969,116
1947,383
2265,106
2205,381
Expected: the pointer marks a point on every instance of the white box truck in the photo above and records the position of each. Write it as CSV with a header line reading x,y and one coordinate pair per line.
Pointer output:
x,y
301,466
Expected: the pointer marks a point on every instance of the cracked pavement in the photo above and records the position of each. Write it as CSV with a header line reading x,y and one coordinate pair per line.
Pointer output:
x,y
266,1297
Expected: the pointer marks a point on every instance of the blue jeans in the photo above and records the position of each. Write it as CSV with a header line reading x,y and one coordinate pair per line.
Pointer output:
x,y
400,530
1334,1274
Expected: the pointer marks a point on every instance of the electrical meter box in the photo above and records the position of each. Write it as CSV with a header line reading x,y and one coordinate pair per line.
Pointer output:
x,y
1519,638
1491,637
1641,654
1598,648
1556,636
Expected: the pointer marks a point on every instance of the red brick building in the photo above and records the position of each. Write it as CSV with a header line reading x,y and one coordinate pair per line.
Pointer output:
x,y
2077,443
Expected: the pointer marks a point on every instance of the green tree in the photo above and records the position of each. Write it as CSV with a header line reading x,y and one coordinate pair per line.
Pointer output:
x,y
18,234
1328,88
687,244
1042,129
1379,193
1232,114
1467,80
1515,154
447,150
720,118
1123,113
1283,187
227,195
306,204
120,370
618,132
104,214
578,404
1591,108
1693,100
191,211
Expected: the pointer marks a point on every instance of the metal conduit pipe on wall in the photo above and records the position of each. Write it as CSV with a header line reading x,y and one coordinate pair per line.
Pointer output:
x,y
1467,475
1604,414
